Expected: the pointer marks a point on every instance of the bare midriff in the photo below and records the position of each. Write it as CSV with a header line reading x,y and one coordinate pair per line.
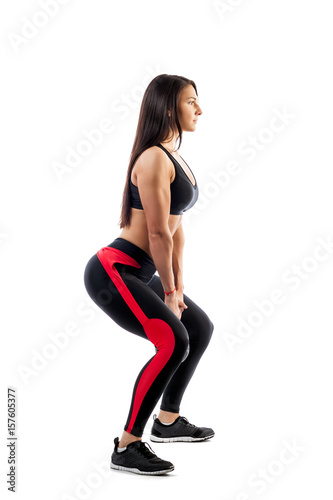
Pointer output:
x,y
137,232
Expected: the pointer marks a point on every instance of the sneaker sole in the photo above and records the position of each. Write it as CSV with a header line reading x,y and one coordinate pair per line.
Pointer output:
x,y
138,471
183,439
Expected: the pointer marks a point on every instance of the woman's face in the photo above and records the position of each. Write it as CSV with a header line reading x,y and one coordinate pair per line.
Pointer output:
x,y
188,109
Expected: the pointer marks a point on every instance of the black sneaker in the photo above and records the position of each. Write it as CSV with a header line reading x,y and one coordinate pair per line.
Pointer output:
x,y
179,430
139,458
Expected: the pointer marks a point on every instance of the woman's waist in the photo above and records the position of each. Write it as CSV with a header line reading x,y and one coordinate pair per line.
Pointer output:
x,y
144,260
137,232
137,238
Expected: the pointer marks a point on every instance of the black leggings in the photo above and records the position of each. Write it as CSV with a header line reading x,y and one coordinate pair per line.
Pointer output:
x,y
120,279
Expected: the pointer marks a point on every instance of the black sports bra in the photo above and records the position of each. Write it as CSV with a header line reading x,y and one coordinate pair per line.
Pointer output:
x,y
183,194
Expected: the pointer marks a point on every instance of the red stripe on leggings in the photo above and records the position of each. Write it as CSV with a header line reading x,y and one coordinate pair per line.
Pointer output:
x,y
161,335
157,330
108,257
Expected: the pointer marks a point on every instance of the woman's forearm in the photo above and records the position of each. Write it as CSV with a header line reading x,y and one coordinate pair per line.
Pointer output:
x,y
177,266
161,247
178,276
177,258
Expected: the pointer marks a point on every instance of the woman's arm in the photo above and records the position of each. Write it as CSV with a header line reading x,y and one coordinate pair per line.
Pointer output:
x,y
153,180
177,257
177,265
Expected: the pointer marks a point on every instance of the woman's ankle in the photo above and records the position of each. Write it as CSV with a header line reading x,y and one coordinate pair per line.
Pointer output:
x,y
126,439
167,417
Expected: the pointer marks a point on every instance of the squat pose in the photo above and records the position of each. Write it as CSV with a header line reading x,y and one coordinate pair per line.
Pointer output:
x,y
120,278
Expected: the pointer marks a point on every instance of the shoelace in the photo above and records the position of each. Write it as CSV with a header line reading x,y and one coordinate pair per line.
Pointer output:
x,y
184,419
145,449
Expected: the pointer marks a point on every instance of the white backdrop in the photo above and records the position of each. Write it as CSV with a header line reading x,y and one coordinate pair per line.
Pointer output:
x,y
258,254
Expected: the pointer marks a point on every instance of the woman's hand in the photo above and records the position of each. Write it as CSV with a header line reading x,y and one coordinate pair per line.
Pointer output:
x,y
175,302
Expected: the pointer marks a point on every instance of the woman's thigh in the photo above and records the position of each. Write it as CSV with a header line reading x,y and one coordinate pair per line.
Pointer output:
x,y
106,295
196,321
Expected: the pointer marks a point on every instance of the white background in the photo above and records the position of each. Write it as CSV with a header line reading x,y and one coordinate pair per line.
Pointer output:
x,y
91,61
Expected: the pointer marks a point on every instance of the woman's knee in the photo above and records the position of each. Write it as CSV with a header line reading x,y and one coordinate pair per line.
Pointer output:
x,y
210,328
182,342
205,328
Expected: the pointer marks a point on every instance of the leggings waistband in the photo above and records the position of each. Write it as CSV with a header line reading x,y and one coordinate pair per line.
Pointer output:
x,y
137,253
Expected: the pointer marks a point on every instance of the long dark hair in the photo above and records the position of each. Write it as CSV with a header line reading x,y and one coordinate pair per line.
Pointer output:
x,y
154,125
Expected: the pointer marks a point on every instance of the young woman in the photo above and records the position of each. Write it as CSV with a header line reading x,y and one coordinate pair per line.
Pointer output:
x,y
120,278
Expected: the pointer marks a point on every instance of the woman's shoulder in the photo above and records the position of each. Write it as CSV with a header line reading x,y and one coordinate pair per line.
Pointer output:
x,y
152,153
153,159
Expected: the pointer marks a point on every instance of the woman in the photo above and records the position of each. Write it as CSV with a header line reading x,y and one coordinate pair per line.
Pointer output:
x,y
120,278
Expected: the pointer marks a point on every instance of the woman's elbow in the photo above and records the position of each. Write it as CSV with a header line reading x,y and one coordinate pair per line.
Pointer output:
x,y
159,233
